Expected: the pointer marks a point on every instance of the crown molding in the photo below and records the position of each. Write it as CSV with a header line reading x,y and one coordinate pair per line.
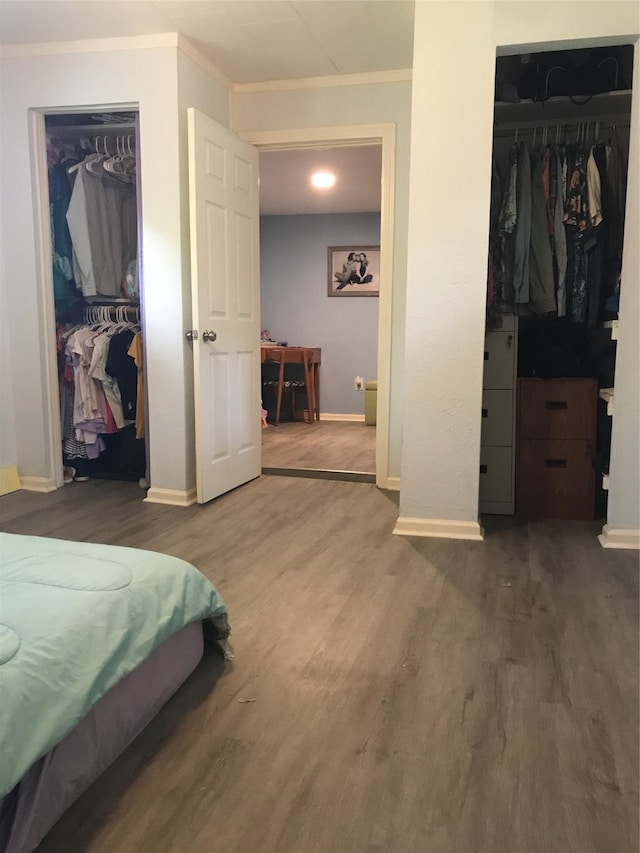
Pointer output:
x,y
103,45
369,78
190,50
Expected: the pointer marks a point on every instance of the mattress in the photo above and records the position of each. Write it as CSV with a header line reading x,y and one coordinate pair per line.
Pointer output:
x,y
76,618
57,779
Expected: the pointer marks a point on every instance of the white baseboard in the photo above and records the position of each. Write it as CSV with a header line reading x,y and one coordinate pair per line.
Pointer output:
x,y
328,416
9,480
392,484
439,528
627,539
171,497
37,484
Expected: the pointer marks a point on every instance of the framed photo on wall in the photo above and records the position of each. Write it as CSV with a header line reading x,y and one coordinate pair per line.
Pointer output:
x,y
354,270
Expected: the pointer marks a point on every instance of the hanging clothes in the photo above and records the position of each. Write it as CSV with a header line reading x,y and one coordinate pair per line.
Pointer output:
x,y
522,241
102,224
560,237
541,283
135,351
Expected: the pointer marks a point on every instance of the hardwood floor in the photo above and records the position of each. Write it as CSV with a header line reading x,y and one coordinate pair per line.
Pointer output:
x,y
336,445
411,695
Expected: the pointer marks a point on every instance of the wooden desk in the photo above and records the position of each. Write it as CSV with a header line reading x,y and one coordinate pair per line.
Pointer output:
x,y
316,360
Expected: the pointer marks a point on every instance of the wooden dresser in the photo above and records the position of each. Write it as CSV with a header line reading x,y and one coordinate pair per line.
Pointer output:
x,y
556,439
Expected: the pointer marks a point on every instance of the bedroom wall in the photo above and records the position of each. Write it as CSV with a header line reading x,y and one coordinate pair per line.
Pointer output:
x,y
339,106
8,453
296,308
448,234
162,85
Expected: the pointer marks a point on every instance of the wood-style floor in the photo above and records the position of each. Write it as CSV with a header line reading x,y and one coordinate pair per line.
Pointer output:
x,y
410,694
333,445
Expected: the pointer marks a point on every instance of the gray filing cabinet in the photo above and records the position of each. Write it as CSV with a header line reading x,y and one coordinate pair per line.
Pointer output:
x,y
497,441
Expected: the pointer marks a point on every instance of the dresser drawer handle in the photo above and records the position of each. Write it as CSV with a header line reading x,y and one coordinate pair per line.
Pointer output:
x,y
556,405
485,413
555,463
483,469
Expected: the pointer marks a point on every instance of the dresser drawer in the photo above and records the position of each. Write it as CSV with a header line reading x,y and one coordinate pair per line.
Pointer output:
x,y
499,352
557,408
496,482
497,418
555,468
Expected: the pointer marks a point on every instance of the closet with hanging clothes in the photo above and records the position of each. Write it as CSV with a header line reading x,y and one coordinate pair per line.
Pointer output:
x,y
555,260
94,206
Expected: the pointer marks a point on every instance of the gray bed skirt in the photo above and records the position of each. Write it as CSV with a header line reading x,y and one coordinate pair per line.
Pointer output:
x,y
54,782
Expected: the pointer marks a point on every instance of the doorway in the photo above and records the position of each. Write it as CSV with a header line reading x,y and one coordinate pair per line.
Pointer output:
x,y
86,170
562,121
342,443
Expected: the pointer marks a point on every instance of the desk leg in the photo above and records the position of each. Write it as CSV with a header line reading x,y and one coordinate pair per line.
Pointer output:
x,y
316,389
308,387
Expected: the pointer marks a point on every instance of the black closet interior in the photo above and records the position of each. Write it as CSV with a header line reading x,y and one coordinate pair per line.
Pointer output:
x,y
94,208
558,191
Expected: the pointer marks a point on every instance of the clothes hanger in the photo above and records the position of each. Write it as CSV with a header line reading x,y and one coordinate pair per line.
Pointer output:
x,y
94,155
95,166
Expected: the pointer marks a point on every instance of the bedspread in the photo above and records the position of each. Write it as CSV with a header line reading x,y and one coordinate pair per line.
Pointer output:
x,y
75,618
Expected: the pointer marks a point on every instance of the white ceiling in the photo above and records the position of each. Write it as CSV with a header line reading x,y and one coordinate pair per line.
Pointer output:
x,y
249,40
285,180
253,41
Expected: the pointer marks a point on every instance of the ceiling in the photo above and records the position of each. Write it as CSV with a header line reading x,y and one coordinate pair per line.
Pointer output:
x,y
285,180
253,41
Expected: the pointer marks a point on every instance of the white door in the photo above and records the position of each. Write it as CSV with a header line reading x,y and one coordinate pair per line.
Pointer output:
x,y
224,219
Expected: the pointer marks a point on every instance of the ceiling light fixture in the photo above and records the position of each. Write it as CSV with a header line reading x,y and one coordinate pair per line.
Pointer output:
x,y
323,180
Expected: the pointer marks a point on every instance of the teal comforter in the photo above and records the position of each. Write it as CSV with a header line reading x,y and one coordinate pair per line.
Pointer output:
x,y
75,619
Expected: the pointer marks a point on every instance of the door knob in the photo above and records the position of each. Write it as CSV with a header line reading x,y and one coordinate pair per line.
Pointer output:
x,y
191,335
209,336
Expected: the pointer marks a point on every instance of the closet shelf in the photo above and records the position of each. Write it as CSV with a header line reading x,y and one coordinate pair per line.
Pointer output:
x,y
606,394
609,105
613,325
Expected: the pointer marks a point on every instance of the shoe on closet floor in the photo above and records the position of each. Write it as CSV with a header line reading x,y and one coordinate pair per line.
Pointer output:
x,y
82,479
68,474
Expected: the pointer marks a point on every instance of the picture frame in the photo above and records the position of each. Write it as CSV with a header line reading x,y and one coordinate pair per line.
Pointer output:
x,y
353,270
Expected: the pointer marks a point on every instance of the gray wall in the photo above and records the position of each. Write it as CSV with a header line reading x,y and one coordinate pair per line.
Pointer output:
x,y
296,308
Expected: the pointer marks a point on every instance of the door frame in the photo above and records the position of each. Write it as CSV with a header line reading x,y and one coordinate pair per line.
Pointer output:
x,y
340,137
37,133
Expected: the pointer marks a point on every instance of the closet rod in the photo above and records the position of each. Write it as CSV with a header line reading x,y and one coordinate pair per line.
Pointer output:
x,y
508,129
97,129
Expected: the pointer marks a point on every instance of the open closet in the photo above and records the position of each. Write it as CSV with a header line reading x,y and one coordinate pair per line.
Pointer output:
x,y
558,191
93,175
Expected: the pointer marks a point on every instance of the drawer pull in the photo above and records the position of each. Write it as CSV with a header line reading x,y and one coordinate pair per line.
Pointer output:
x,y
483,469
485,413
555,463
486,356
556,405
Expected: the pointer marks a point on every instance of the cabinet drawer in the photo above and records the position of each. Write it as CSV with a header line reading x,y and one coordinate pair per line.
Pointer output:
x,y
555,468
499,354
495,474
497,418
557,408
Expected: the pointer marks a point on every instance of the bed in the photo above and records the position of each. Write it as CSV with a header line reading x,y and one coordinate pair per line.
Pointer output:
x,y
93,641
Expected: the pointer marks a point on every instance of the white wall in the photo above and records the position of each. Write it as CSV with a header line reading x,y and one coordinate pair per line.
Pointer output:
x,y
448,235
342,106
163,84
8,452
624,472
